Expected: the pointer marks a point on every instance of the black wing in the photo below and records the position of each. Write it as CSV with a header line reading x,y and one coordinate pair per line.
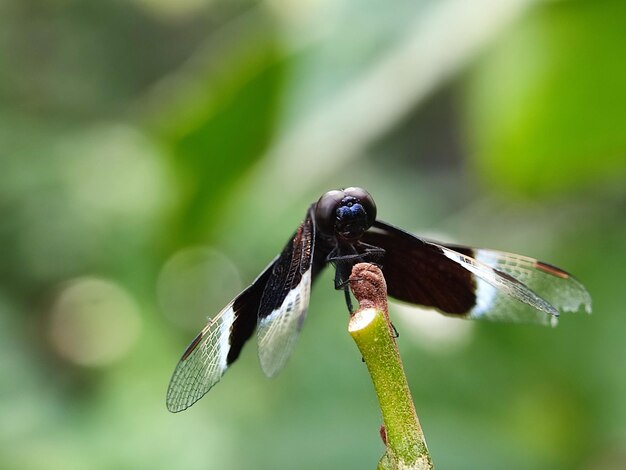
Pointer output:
x,y
277,300
474,283
285,301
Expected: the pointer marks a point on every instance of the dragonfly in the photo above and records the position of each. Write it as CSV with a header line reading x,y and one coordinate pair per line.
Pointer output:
x,y
342,229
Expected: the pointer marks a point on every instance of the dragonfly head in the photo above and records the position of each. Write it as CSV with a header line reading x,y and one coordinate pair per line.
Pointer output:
x,y
345,213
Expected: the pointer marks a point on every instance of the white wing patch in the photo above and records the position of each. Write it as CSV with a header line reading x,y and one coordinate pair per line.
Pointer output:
x,y
203,363
515,289
564,293
506,286
277,333
485,299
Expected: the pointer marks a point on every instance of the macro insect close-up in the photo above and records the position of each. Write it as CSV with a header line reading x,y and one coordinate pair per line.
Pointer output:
x,y
282,234
342,229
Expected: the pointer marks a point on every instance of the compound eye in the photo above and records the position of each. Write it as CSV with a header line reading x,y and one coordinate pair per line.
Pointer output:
x,y
326,211
366,200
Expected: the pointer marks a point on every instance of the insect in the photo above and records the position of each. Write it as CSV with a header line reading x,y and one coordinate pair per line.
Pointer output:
x,y
341,229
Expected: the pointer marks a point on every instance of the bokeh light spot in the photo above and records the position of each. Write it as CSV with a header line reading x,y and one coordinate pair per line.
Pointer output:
x,y
195,283
94,322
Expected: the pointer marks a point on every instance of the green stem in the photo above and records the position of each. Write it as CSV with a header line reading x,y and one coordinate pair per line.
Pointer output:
x,y
371,330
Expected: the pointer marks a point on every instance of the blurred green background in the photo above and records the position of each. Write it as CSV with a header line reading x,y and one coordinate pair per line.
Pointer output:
x,y
156,154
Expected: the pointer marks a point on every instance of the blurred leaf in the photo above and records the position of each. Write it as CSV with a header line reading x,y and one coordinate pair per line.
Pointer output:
x,y
84,59
224,125
547,105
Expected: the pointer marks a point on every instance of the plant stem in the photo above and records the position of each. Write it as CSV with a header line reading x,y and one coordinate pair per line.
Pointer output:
x,y
371,329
